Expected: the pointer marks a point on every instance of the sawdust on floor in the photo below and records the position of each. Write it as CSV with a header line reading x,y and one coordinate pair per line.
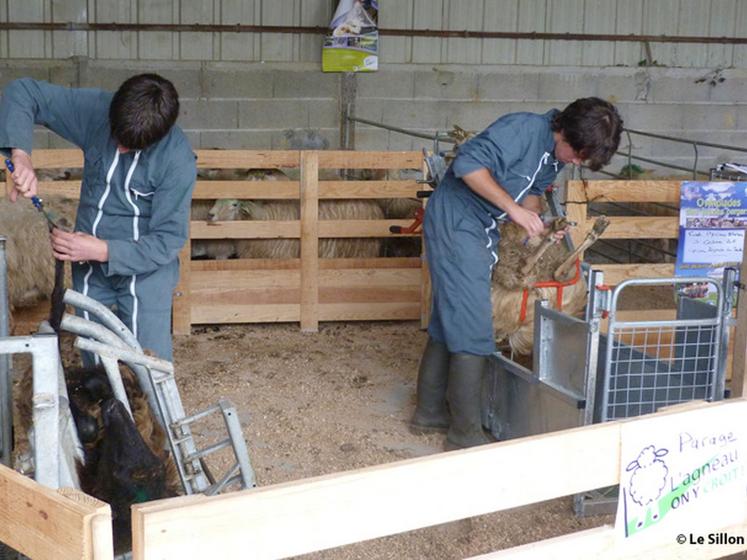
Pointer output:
x,y
318,403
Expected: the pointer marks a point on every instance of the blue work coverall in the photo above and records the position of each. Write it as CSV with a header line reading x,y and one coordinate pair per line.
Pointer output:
x,y
139,202
461,228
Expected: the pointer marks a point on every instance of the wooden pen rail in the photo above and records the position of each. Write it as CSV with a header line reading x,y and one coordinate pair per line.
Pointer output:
x,y
308,289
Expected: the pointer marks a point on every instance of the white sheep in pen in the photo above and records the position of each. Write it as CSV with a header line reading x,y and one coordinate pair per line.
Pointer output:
x,y
223,248
649,475
231,209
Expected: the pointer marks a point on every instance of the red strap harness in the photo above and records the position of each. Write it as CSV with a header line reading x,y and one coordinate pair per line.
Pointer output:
x,y
550,284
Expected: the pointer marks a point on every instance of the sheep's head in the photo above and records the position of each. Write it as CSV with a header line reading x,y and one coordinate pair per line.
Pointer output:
x,y
225,210
647,457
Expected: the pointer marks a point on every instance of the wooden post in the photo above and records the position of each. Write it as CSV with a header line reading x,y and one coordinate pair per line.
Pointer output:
x,y
182,305
309,241
576,211
738,378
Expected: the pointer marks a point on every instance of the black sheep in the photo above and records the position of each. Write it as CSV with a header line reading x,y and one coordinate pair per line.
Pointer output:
x,y
121,468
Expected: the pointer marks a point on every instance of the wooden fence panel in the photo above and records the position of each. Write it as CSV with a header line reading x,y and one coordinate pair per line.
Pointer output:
x,y
308,289
338,509
583,193
45,524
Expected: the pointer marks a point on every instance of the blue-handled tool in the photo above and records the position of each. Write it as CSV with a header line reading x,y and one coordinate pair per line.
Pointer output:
x,y
52,220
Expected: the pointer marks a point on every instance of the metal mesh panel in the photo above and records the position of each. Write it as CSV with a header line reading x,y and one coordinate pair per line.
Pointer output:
x,y
654,366
651,364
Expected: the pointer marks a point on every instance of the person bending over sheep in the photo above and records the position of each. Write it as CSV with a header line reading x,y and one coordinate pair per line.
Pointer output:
x,y
498,174
138,176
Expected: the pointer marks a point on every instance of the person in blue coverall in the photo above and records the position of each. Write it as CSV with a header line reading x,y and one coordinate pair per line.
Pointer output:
x,y
499,174
139,172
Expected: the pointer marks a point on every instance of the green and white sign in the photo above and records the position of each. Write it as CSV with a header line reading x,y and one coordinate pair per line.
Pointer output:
x,y
683,481
353,42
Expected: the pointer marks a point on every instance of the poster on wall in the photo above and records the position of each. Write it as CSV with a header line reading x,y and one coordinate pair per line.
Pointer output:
x,y
713,220
352,45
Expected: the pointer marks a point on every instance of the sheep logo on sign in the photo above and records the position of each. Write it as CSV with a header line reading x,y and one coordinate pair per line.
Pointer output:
x,y
649,475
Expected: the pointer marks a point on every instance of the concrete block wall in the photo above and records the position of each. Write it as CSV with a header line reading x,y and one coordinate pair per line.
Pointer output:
x,y
294,105
664,101
223,105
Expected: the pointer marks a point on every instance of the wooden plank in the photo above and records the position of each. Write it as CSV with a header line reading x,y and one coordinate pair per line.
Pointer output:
x,y
345,159
377,263
396,311
69,189
99,537
242,295
310,241
370,278
246,229
289,229
362,228
247,159
259,190
343,508
646,227
292,295
283,286
288,190
181,320
738,378
604,542
616,273
231,313
290,264
206,281
367,296
369,189
246,264
624,191
44,524
45,159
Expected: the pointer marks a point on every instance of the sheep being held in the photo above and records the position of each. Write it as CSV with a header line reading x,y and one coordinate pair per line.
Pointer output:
x,y
28,249
511,277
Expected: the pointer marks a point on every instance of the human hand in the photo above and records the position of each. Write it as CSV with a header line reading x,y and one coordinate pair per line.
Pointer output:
x,y
78,247
530,221
23,175
558,235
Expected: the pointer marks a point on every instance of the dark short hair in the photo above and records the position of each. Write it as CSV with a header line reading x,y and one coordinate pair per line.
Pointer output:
x,y
592,127
143,110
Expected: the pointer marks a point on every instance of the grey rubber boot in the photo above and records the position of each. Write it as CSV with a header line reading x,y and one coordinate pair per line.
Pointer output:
x,y
464,394
430,412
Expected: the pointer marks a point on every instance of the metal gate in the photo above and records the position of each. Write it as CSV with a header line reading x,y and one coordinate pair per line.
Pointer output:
x,y
581,376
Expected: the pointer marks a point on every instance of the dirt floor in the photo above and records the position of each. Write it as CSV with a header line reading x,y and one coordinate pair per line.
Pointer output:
x,y
340,399
336,400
